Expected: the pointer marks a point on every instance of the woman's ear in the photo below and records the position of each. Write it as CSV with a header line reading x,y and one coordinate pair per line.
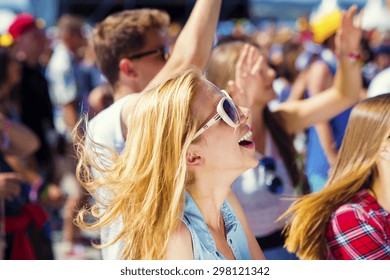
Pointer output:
x,y
193,159
126,67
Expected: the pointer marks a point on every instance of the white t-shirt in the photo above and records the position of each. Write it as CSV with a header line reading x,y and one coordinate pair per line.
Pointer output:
x,y
105,129
380,84
262,208
66,84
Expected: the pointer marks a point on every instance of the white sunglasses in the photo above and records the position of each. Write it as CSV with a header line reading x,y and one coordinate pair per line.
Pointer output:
x,y
227,110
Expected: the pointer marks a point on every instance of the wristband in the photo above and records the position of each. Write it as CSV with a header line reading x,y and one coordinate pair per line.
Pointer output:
x,y
352,56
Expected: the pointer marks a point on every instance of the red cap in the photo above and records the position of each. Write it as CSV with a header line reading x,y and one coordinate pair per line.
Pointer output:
x,y
21,24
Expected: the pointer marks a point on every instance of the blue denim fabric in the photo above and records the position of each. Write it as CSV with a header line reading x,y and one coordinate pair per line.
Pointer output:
x,y
202,241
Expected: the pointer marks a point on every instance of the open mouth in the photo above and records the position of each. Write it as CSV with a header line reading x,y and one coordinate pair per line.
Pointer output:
x,y
244,142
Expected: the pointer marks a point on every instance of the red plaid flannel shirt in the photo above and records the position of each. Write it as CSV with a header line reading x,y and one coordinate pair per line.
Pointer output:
x,y
359,230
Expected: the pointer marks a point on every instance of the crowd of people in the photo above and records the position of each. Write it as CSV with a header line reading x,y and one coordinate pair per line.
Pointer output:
x,y
270,145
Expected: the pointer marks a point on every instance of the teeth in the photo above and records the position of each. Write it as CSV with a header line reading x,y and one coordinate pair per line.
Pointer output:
x,y
246,136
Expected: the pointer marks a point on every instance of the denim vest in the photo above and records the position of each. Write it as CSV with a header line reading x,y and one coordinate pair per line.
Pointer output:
x,y
202,241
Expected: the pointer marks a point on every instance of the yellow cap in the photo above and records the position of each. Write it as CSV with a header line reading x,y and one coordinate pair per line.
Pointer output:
x,y
6,40
326,26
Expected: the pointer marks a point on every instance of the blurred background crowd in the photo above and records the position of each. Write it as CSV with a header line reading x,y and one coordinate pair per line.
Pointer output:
x,y
49,78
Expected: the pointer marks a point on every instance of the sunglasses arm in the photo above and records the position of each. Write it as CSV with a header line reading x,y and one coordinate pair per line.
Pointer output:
x,y
216,118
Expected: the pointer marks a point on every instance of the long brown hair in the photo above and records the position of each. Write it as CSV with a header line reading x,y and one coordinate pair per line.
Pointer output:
x,y
354,170
220,70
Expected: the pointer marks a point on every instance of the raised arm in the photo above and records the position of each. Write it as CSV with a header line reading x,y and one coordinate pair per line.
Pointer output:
x,y
193,47
319,79
346,89
194,44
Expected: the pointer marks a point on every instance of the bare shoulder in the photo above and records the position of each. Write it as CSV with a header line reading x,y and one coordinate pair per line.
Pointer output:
x,y
319,73
180,244
319,67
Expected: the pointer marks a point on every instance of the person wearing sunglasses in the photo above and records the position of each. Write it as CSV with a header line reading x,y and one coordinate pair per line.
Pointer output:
x,y
171,183
264,191
131,53
162,52
350,217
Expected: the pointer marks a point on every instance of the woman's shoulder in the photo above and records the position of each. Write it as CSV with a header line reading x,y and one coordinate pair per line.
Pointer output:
x,y
349,210
356,206
360,221
180,244
361,209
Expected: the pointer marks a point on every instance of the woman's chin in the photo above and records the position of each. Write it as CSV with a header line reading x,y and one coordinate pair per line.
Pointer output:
x,y
252,163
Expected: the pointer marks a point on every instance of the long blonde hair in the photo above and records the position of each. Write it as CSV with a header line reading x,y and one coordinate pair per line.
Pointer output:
x,y
147,181
354,170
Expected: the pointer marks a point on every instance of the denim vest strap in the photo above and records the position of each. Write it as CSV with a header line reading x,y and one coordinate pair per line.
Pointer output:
x,y
202,240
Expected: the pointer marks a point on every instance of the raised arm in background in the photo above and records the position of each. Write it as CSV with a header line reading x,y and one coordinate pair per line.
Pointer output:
x,y
299,114
345,91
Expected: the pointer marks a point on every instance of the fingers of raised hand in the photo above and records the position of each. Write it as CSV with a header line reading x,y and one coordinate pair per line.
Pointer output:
x,y
242,61
251,56
231,87
236,92
259,64
348,36
347,19
359,19
247,61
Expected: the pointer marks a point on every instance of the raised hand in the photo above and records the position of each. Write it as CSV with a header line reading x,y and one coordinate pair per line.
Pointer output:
x,y
348,36
247,76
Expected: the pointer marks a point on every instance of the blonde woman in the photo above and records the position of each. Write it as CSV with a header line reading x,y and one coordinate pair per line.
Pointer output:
x,y
172,180
350,217
262,191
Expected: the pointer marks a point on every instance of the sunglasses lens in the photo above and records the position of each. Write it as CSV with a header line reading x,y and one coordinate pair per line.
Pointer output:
x,y
275,186
268,163
231,111
273,183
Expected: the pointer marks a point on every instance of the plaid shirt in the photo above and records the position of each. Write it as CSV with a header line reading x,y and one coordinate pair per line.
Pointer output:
x,y
359,230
